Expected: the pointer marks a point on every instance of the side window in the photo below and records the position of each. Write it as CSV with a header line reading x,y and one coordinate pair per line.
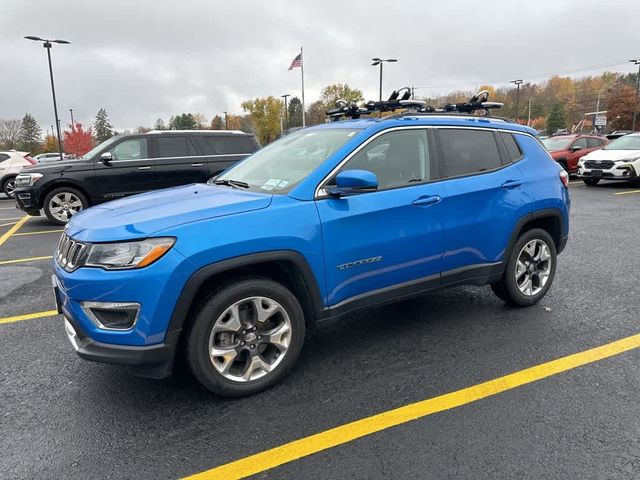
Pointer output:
x,y
468,151
513,150
3,157
594,142
133,149
397,158
171,146
226,144
581,142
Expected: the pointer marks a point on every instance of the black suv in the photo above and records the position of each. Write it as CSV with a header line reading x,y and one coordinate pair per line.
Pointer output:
x,y
126,165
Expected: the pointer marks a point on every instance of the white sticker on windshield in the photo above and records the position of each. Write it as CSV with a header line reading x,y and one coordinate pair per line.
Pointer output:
x,y
266,187
283,183
273,182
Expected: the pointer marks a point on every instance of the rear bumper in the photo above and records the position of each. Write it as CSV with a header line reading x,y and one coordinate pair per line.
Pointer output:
x,y
153,361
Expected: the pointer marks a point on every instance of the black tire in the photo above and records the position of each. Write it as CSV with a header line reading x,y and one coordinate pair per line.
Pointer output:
x,y
7,187
507,288
62,190
563,164
212,308
592,182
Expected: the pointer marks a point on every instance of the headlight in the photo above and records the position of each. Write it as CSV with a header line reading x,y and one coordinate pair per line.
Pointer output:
x,y
629,160
27,179
125,255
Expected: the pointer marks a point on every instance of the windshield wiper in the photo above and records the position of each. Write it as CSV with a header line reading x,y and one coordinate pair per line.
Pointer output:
x,y
231,183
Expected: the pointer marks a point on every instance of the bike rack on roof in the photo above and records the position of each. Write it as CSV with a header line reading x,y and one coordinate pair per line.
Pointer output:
x,y
397,102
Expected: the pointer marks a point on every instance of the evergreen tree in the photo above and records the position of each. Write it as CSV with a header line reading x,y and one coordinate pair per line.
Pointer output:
x,y
295,112
557,119
30,133
184,121
102,128
159,125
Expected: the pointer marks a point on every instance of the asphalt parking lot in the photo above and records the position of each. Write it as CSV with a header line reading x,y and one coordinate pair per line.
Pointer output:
x,y
575,417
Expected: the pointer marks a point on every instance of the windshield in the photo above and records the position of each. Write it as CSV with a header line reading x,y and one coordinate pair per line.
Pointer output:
x,y
630,142
278,167
91,153
557,143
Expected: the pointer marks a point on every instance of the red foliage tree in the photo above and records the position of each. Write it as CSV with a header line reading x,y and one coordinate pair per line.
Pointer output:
x,y
77,141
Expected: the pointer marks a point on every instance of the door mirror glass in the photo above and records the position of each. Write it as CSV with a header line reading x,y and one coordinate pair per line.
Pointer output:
x,y
351,182
106,157
575,148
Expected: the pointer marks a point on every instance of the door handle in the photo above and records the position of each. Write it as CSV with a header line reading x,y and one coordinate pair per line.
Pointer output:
x,y
426,200
512,184
144,168
197,164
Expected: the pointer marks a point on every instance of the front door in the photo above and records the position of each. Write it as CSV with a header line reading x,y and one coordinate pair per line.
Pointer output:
x,y
390,239
129,172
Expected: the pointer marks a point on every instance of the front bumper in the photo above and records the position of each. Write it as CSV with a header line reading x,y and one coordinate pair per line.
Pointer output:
x,y
28,200
620,171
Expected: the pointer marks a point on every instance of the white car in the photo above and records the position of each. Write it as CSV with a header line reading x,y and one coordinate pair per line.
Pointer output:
x,y
618,160
11,163
49,157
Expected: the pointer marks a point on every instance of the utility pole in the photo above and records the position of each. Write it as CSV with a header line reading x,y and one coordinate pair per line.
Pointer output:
x,y
517,84
635,107
226,121
48,44
529,115
286,112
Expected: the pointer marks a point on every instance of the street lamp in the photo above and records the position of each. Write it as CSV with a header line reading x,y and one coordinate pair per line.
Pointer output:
x,y
286,112
635,108
226,121
73,124
380,61
47,44
517,83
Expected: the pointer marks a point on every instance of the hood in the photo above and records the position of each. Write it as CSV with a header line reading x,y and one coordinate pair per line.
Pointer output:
x,y
142,215
612,155
58,165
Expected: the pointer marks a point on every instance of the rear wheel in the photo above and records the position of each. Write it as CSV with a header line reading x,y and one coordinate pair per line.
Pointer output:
x,y
245,338
530,269
591,181
62,203
9,187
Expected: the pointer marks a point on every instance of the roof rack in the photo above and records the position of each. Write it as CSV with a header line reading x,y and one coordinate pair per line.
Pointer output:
x,y
398,102
196,131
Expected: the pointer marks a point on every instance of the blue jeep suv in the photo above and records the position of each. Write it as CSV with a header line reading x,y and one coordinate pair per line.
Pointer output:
x,y
329,219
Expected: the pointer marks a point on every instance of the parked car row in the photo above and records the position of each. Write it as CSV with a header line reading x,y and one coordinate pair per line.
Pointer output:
x,y
11,163
127,165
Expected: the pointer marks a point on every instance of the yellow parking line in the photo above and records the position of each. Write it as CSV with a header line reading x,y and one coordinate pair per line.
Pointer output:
x,y
5,236
342,434
38,232
28,316
21,260
627,193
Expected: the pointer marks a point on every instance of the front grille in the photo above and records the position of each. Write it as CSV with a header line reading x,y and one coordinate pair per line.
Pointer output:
x,y
69,253
604,164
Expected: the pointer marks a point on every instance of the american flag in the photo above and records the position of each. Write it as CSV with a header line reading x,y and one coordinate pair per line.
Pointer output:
x,y
297,62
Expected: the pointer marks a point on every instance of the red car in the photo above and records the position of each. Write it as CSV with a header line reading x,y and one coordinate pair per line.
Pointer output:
x,y
567,149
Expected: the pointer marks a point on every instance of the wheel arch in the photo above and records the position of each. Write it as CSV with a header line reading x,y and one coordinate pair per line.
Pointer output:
x,y
64,183
549,220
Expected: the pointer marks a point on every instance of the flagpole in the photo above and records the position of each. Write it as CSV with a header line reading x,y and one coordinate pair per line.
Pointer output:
x,y
304,123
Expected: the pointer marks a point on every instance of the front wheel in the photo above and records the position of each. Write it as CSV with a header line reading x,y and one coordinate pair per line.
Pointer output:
x,y
246,337
9,187
530,269
592,182
62,203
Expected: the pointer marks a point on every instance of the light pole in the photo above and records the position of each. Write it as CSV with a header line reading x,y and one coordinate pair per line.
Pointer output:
x,y
47,44
286,112
380,61
73,124
517,83
635,107
226,121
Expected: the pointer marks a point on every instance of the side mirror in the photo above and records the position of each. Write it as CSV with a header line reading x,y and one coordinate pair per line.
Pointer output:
x,y
106,157
575,148
352,182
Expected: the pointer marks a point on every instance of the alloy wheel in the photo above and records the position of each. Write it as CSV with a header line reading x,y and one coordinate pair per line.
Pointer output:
x,y
64,205
9,188
250,339
533,267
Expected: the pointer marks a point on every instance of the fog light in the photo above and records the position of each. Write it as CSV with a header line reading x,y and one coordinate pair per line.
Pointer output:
x,y
112,315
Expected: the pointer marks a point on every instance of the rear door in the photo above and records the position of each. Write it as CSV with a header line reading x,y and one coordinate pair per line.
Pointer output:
x,y
178,160
483,196
130,171
224,150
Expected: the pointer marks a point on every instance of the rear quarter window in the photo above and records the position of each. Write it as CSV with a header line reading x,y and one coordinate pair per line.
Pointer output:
x,y
171,146
511,145
468,151
227,145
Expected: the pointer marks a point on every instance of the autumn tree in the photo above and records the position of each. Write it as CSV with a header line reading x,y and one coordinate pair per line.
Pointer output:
x,y
265,117
50,144
339,91
295,112
77,141
556,119
184,121
30,133
217,123
159,125
201,120
10,133
620,108
316,113
102,128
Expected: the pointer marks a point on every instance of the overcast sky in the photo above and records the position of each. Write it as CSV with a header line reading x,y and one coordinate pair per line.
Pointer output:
x,y
142,60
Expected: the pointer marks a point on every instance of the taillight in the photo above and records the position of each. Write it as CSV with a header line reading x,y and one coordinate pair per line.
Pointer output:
x,y
564,178
32,161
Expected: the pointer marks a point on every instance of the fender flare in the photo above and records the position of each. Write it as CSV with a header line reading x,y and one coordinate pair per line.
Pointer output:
x,y
554,213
